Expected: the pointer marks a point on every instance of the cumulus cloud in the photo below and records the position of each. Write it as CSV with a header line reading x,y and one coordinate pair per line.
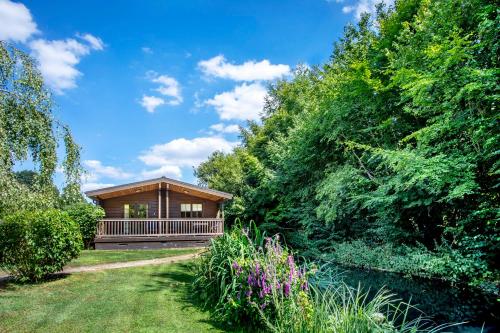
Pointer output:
x,y
94,186
150,103
169,87
147,50
364,6
57,61
171,171
17,24
185,152
94,42
244,102
221,128
98,169
250,70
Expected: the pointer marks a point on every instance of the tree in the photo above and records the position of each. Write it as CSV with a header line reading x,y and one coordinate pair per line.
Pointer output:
x,y
28,131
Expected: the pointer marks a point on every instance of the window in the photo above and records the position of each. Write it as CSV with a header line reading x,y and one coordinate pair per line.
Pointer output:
x,y
196,210
185,210
135,211
191,210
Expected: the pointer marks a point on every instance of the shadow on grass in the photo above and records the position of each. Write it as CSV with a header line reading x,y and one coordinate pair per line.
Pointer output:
x,y
179,280
10,283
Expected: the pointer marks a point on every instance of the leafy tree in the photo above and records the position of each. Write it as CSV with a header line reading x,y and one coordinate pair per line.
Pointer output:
x,y
28,131
395,140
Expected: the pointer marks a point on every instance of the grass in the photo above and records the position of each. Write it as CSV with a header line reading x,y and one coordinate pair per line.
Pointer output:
x,y
95,257
143,299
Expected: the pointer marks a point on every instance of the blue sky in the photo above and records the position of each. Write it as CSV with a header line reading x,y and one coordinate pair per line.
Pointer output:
x,y
151,88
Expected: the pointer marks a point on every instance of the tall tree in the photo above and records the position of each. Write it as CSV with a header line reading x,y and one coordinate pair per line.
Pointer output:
x,y
28,131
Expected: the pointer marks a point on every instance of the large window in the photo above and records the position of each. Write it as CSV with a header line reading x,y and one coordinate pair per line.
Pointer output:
x,y
135,211
191,210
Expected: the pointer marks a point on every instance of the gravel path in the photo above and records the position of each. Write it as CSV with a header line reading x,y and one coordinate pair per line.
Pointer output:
x,y
125,264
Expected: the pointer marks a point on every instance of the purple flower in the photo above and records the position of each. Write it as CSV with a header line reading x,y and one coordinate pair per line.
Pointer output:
x,y
237,268
248,293
263,306
287,289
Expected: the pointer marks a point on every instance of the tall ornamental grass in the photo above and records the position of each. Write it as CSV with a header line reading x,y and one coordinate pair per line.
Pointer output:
x,y
251,281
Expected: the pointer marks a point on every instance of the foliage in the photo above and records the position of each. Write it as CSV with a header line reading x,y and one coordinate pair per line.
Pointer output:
x,y
86,216
444,262
29,132
252,281
395,140
36,244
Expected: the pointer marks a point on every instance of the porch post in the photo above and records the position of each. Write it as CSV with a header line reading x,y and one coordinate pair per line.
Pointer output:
x,y
222,209
159,200
167,207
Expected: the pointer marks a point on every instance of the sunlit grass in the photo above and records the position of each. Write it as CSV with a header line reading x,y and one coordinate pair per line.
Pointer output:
x,y
143,299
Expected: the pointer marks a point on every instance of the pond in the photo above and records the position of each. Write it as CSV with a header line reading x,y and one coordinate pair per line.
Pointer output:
x,y
436,298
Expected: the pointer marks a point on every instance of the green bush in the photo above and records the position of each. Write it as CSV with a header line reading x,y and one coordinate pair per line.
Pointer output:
x,y
86,216
36,244
444,263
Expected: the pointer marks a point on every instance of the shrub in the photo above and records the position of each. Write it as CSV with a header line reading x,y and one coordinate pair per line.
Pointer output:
x,y
36,244
240,273
86,216
444,263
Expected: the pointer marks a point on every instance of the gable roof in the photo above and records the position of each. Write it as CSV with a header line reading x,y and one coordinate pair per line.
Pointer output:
x,y
156,183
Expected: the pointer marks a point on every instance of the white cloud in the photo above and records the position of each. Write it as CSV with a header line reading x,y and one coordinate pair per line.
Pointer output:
x,y
16,22
94,42
94,186
58,59
171,171
248,71
97,168
225,128
244,102
150,103
147,50
169,87
185,152
365,6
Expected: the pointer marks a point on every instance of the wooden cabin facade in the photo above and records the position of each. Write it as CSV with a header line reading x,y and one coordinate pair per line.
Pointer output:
x,y
157,213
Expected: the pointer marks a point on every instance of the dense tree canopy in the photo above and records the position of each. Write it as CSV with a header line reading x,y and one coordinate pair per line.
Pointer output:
x,y
29,132
394,140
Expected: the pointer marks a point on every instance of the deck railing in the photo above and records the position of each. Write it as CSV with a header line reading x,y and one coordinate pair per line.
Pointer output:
x,y
159,227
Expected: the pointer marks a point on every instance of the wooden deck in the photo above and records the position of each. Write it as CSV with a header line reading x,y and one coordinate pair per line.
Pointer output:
x,y
156,233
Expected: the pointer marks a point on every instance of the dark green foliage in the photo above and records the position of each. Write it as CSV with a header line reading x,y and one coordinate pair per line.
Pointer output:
x,y
36,244
394,141
86,216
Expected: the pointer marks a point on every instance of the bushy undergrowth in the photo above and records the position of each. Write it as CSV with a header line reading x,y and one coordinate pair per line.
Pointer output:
x,y
444,263
250,281
86,216
36,244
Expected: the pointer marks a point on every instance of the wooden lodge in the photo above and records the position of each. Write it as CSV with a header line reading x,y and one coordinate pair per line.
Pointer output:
x,y
157,213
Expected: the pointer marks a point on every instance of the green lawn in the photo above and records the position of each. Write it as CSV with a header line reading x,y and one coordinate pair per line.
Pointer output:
x,y
143,299
94,257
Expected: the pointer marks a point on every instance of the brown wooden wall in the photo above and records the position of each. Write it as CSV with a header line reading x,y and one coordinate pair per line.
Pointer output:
x,y
114,206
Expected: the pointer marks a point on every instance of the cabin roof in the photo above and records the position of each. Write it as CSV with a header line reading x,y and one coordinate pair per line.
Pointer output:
x,y
158,183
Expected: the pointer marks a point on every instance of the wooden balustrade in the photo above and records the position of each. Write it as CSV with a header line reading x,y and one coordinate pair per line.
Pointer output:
x,y
159,227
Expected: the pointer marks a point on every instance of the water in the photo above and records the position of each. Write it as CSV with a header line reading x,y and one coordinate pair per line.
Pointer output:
x,y
437,299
